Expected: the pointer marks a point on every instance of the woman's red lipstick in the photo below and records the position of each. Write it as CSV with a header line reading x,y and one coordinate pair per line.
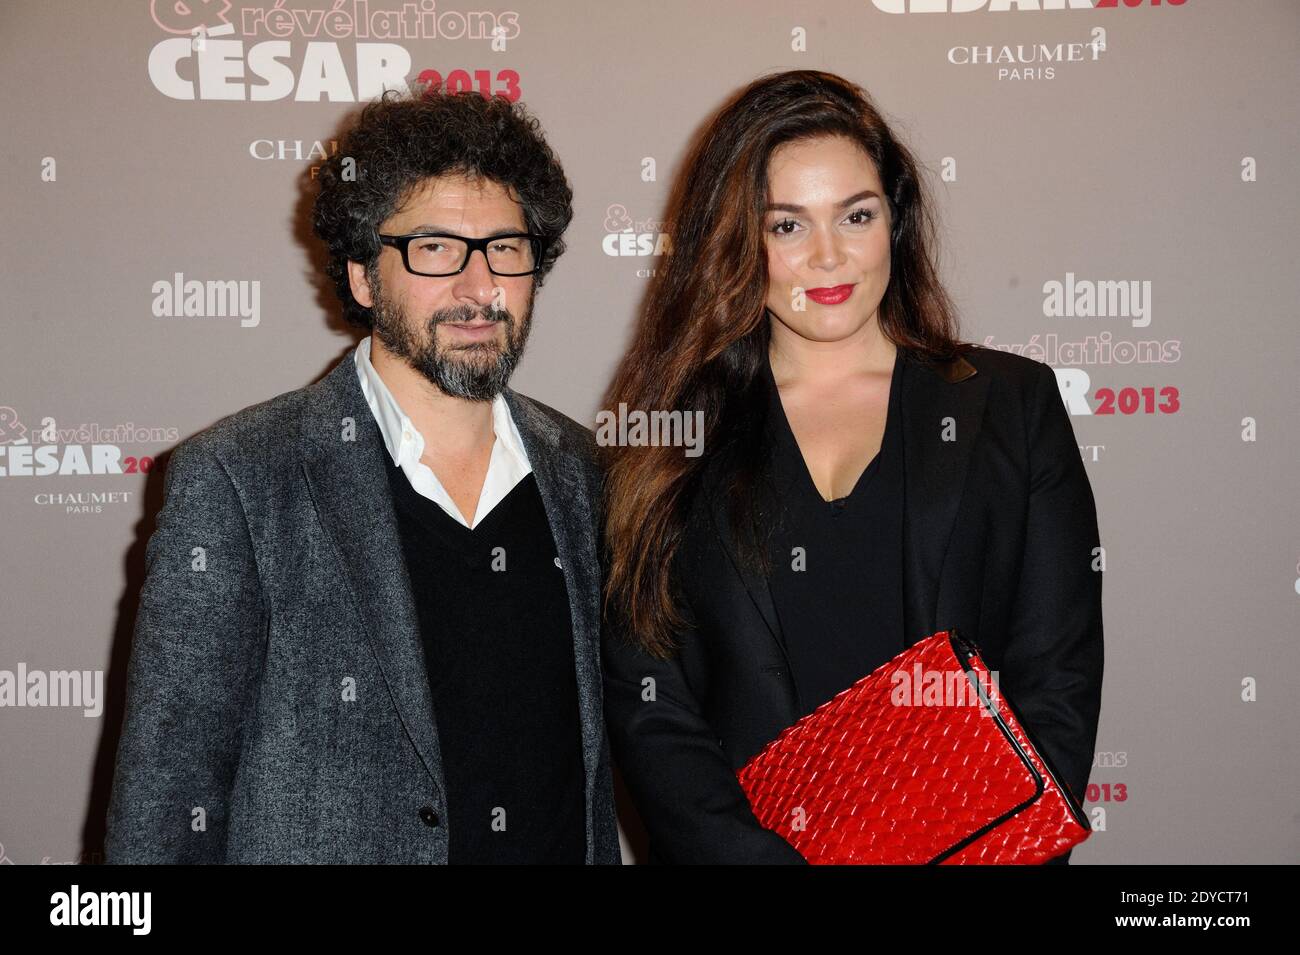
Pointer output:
x,y
830,296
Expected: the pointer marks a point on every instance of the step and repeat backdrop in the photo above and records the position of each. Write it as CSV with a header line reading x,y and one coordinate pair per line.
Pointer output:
x,y
1116,182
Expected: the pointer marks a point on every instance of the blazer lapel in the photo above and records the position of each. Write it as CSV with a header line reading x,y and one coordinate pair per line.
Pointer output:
x,y
756,585
566,497
343,463
943,410
934,476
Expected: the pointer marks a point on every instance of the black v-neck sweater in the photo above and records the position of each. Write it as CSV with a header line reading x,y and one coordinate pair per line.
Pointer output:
x,y
498,647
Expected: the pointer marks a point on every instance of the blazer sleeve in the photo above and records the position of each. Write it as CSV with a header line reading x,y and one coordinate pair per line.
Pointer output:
x,y
1052,664
192,675
672,761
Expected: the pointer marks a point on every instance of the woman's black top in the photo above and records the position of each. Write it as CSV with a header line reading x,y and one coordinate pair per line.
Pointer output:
x,y
837,579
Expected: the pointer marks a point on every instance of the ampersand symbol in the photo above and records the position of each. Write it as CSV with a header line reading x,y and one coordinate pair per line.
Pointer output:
x,y
11,432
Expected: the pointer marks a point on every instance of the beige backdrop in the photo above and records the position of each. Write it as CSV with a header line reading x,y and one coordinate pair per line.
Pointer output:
x,y
1143,150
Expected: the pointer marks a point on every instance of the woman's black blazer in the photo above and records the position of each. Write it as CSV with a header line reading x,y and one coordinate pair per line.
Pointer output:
x,y
999,541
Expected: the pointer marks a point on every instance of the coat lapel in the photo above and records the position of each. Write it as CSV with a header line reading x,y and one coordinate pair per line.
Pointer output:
x,y
943,410
755,584
343,462
934,476
566,497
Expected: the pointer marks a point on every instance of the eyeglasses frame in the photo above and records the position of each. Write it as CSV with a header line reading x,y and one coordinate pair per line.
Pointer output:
x,y
402,244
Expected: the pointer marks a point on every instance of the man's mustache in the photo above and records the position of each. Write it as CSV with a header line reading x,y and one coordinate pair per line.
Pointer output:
x,y
467,313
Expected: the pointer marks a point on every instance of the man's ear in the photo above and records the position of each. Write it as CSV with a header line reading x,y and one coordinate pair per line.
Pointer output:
x,y
360,284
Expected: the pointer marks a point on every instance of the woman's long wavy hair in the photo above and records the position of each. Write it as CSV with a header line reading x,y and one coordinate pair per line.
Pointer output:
x,y
703,332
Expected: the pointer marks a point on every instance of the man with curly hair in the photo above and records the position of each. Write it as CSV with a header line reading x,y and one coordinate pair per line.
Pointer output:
x,y
369,630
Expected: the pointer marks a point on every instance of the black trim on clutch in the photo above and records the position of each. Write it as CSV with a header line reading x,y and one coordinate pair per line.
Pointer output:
x,y
964,649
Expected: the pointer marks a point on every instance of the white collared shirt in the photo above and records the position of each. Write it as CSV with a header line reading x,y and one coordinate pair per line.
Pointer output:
x,y
508,466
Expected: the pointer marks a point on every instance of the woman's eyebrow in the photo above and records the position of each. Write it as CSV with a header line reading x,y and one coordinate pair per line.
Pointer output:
x,y
791,207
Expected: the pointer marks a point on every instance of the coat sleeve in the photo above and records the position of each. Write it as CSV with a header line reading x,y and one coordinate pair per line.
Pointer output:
x,y
672,761
192,675
1052,664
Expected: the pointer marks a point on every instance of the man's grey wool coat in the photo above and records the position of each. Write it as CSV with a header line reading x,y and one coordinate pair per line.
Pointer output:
x,y
241,741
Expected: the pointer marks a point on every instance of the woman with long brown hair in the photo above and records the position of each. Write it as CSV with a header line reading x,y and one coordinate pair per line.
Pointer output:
x,y
867,478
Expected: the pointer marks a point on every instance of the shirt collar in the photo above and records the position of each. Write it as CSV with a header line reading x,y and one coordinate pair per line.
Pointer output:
x,y
395,425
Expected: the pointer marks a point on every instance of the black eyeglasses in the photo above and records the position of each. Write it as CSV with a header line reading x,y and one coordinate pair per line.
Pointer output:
x,y
441,254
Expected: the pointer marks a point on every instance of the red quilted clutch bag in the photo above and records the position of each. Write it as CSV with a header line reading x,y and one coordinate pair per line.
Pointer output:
x,y
921,761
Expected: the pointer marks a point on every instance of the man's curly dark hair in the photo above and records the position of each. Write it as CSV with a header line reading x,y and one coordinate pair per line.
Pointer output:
x,y
401,139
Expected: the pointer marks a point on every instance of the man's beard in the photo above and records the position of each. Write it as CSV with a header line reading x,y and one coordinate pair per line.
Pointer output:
x,y
478,371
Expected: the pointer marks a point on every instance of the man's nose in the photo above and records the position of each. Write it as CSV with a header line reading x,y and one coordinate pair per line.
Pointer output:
x,y
476,281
